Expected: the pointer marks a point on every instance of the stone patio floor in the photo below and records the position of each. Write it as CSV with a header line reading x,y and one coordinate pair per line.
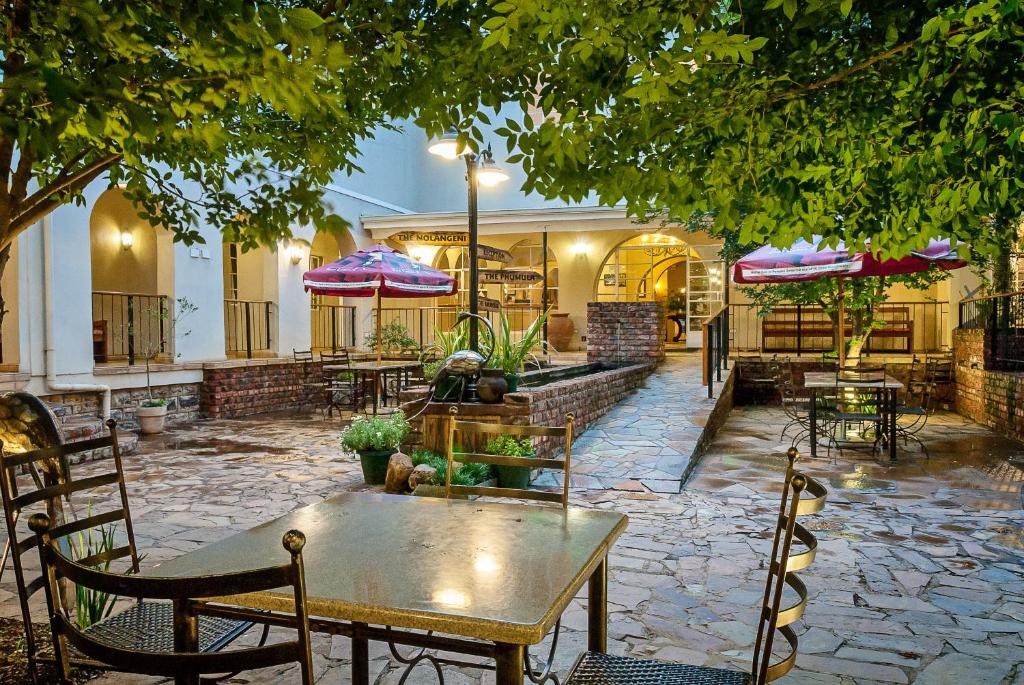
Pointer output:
x,y
919,576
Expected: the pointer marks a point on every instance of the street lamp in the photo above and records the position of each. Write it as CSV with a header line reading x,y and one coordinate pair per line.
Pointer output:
x,y
481,170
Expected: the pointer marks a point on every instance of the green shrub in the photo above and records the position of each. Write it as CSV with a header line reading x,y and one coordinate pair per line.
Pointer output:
x,y
377,433
510,446
469,473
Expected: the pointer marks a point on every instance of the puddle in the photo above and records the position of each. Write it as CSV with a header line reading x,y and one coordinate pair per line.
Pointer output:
x,y
224,446
888,535
1012,539
931,539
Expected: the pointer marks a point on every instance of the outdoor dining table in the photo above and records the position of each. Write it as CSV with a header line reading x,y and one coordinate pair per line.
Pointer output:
x,y
489,578
376,371
827,380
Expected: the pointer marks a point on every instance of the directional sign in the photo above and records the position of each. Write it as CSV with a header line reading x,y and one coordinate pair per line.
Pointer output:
x,y
488,304
493,254
450,238
511,276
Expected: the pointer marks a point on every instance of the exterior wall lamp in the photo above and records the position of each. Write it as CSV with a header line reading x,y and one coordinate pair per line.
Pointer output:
x,y
127,239
481,169
295,252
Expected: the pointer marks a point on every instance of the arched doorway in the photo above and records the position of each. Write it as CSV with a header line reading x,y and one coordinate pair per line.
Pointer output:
x,y
331,319
660,266
132,284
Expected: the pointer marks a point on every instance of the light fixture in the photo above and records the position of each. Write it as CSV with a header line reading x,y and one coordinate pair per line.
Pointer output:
x,y
580,247
446,146
295,252
127,239
490,174
421,253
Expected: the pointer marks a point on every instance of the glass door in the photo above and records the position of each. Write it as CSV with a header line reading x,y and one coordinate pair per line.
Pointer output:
x,y
705,293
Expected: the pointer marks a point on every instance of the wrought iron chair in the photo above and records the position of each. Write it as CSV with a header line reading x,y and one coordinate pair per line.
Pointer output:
x,y
342,389
475,432
52,482
168,652
606,669
864,406
939,371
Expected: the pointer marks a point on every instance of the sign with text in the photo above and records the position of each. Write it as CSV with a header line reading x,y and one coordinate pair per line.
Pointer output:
x,y
509,276
450,238
493,254
489,304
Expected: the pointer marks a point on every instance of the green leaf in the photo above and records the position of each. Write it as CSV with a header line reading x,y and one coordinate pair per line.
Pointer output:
x,y
304,18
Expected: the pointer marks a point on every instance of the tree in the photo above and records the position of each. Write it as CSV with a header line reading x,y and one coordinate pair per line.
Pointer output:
x,y
230,112
859,120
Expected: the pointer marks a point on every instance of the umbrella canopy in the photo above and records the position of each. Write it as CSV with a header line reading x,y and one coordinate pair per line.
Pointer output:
x,y
808,261
805,261
378,270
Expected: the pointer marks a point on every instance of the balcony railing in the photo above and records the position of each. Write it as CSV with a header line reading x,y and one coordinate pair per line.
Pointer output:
x,y
715,347
1002,318
906,328
332,326
247,327
128,327
422,321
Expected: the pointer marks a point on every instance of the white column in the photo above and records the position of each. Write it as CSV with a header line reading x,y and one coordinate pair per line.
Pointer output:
x,y
199,278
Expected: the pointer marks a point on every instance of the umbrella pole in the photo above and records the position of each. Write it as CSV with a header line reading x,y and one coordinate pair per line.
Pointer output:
x,y
842,325
379,312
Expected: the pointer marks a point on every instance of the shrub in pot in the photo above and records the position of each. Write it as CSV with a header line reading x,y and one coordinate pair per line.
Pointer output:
x,y
151,414
467,473
375,440
511,476
511,355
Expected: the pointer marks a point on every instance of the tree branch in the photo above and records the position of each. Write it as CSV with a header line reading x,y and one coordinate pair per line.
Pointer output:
x,y
44,201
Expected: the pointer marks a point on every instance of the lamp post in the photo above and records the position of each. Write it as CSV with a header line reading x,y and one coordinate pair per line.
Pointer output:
x,y
481,170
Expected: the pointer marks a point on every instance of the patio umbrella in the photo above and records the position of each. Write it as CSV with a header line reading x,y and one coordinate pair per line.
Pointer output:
x,y
809,261
381,271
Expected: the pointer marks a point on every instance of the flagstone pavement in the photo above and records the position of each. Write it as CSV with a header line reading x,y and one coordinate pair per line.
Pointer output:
x,y
919,576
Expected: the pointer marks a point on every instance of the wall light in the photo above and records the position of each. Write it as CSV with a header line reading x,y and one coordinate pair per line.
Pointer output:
x,y
295,252
581,246
127,239
421,253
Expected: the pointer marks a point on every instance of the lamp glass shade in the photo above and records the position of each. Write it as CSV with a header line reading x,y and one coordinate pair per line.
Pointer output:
x,y
127,239
490,174
446,146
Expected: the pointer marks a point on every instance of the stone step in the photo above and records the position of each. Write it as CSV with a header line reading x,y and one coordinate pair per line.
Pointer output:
x,y
83,427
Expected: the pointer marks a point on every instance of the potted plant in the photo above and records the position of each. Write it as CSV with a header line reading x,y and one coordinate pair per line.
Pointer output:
x,y
468,473
375,440
394,339
511,355
511,476
152,411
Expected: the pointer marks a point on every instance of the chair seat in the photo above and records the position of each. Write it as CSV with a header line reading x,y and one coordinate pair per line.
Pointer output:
x,y
857,416
910,411
607,669
149,626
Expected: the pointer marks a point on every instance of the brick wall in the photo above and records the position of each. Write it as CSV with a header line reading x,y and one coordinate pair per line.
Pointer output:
x,y
233,389
625,332
587,397
992,398
182,403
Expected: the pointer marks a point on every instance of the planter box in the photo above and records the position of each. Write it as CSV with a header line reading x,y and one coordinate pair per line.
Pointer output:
x,y
428,490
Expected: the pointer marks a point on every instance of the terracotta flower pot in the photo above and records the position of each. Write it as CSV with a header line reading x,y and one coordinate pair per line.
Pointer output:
x,y
151,419
560,330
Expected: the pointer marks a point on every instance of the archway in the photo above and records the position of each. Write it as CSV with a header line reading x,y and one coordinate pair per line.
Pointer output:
x,y
331,318
132,283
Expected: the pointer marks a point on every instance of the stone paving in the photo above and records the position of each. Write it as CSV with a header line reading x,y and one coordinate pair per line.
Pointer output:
x,y
919,576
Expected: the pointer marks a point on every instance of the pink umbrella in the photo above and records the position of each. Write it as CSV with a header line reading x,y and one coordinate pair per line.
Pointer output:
x,y
380,271
808,261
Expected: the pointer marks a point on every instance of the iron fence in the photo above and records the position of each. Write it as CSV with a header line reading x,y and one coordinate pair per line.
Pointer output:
x,y
1002,318
715,347
421,322
247,327
332,326
903,328
129,327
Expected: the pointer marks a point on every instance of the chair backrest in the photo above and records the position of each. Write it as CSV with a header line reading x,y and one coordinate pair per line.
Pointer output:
x,y
801,495
474,432
861,374
939,370
305,356
186,594
53,483
339,357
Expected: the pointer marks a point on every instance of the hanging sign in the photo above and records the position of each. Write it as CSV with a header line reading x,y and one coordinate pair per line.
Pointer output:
x,y
510,276
493,254
451,238
488,304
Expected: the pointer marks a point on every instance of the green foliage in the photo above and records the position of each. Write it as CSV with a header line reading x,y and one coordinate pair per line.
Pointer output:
x,y
510,355
469,473
859,120
431,368
511,446
92,606
394,336
154,402
376,433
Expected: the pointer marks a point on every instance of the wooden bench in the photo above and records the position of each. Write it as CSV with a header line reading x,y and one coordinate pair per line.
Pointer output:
x,y
805,329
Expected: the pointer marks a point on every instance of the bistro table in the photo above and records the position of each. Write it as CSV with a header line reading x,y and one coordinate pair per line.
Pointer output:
x,y
827,380
489,578
376,371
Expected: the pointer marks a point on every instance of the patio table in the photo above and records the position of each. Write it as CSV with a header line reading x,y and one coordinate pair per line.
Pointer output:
x,y
492,578
376,371
818,380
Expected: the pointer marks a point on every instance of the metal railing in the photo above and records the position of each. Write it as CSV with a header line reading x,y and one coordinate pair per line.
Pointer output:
x,y
1002,318
715,348
129,327
332,326
421,322
247,326
907,328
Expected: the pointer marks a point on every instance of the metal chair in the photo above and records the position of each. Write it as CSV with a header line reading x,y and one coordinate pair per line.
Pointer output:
x,y
474,430
342,389
52,480
606,669
864,406
159,648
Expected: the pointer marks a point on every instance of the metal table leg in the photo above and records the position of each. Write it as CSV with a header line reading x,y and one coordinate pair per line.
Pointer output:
x,y
376,390
186,636
892,424
813,418
597,608
508,660
360,656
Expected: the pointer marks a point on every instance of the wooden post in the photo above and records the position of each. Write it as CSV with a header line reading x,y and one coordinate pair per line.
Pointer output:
x,y
841,336
379,340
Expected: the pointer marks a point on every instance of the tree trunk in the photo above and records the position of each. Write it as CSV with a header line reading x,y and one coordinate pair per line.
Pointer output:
x,y
5,256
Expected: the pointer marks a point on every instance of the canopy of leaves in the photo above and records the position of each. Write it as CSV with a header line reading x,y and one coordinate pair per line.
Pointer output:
x,y
866,120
